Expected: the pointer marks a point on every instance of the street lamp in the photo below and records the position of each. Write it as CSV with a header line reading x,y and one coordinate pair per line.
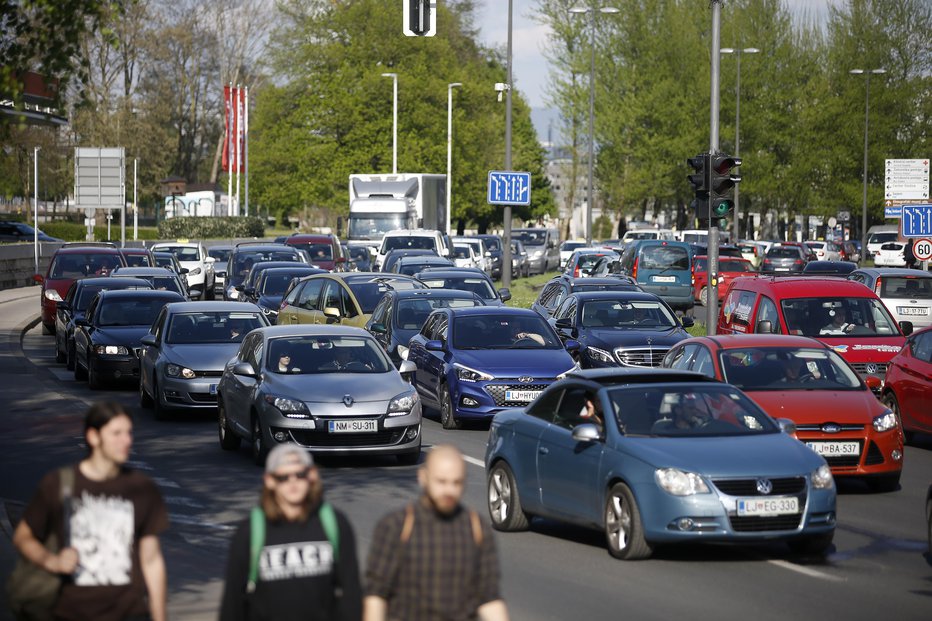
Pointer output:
x,y
394,77
867,103
591,11
738,52
450,88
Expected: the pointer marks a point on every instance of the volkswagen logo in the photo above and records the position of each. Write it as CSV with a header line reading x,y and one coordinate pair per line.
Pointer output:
x,y
348,401
831,428
525,379
764,486
871,368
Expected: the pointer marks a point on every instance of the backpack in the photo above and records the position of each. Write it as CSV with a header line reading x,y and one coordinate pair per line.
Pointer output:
x,y
408,526
328,519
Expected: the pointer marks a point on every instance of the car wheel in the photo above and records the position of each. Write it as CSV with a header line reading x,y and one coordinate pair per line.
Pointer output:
x,y
447,418
80,373
889,399
885,483
69,359
504,503
259,451
46,330
145,401
93,378
813,545
624,531
159,410
229,441
704,296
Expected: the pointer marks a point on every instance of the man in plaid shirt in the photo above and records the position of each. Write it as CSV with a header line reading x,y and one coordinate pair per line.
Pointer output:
x,y
435,559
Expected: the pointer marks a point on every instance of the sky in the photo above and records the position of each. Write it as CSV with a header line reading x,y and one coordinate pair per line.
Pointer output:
x,y
531,68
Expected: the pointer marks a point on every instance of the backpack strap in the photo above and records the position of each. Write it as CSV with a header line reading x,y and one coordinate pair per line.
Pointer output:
x,y
256,543
328,519
408,525
476,527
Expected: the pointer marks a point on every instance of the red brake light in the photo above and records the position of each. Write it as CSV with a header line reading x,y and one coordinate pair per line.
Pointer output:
x,y
877,286
634,269
576,272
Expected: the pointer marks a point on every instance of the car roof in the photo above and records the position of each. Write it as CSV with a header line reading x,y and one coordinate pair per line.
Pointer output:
x,y
144,271
901,272
105,250
617,375
494,310
460,272
111,280
432,293
261,247
412,233
798,286
213,307
585,296
419,258
186,244
133,293
574,282
740,341
306,329
134,250
305,237
294,266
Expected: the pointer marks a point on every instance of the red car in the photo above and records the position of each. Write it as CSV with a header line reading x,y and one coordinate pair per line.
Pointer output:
x,y
323,249
728,268
908,389
69,263
792,377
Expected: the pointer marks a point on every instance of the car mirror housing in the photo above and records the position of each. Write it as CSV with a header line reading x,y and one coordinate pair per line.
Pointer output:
x,y
149,339
184,270
564,322
434,346
688,322
764,326
504,294
249,290
38,278
332,312
873,382
906,327
210,260
244,369
407,369
572,345
787,426
378,328
586,432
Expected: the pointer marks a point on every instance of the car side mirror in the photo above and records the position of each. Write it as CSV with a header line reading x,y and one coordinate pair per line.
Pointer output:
x,y
249,290
434,346
63,305
564,322
149,340
244,369
332,312
378,328
210,260
572,346
184,270
873,382
688,322
340,260
764,326
587,432
81,322
38,278
906,327
488,254
787,426
504,294
407,370
239,288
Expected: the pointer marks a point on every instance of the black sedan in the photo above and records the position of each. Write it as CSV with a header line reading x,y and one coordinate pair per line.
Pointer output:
x,y
107,341
626,329
160,278
554,292
465,279
75,303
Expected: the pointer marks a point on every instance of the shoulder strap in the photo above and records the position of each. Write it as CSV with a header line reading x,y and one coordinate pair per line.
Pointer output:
x,y
408,525
476,527
328,519
256,543
66,486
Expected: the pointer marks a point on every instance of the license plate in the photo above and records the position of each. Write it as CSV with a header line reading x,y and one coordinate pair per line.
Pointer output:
x,y
664,278
521,395
212,389
781,269
835,448
353,425
780,505
912,310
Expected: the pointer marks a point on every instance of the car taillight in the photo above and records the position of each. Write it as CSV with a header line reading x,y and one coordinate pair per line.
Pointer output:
x,y
576,272
634,270
877,286
798,262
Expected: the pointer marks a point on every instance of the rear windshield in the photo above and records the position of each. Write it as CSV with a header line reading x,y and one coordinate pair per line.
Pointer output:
x,y
898,287
783,252
734,266
664,257
881,238
80,265
406,241
503,332
275,283
130,311
182,253
313,355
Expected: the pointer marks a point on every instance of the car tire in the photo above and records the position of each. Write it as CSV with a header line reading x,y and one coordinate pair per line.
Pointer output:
x,y
229,441
813,545
80,374
704,296
145,401
504,503
889,399
259,450
69,357
159,411
447,417
884,483
93,378
60,355
46,330
624,531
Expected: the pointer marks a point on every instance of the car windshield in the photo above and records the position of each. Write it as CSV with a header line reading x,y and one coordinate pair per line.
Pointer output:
x,y
358,253
461,252
503,332
407,241
183,253
317,251
137,260
787,368
726,265
311,355
905,287
569,246
478,285
130,311
838,317
211,327
492,243
221,254
80,265
627,314
531,238
274,282
86,295
373,226
882,238
243,261
664,258
687,410
164,283
411,314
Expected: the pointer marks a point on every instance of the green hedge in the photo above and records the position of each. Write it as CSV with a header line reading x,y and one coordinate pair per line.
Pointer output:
x,y
73,231
195,227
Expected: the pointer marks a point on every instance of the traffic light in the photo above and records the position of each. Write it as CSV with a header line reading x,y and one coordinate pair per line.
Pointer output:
x,y
700,182
420,18
722,184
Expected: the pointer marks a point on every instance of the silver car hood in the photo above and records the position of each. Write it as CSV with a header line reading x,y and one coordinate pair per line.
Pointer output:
x,y
323,388
201,356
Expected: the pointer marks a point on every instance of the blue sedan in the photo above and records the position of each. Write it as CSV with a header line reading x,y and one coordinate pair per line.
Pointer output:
x,y
474,362
652,456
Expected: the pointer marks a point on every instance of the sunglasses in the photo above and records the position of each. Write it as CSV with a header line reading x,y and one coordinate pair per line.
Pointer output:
x,y
300,474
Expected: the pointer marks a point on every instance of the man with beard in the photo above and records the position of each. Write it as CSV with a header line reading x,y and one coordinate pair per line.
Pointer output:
x,y
434,559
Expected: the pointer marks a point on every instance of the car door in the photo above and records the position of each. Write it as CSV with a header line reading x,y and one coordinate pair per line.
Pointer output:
x,y
240,389
568,470
418,354
307,308
82,334
63,313
915,393
436,362
148,354
527,432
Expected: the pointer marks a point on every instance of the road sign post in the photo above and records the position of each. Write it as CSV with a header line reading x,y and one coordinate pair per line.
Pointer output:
x,y
509,188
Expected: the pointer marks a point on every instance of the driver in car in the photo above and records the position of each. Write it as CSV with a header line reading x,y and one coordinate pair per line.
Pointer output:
x,y
838,324
687,414
521,334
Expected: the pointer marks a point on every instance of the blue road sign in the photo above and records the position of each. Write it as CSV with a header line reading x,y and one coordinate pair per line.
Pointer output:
x,y
893,212
917,220
509,188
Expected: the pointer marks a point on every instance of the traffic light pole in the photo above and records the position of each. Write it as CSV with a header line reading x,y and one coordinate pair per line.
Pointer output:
x,y
712,298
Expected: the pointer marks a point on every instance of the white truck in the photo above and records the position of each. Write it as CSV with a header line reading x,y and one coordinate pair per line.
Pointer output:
x,y
382,203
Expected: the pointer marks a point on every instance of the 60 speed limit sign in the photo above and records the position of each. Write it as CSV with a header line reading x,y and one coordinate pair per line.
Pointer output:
x,y
922,248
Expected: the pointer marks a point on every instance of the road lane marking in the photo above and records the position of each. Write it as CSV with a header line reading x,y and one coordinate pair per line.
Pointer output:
x,y
62,375
468,459
806,571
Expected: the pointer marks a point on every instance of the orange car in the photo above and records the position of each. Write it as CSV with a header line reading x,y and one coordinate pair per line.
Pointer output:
x,y
803,380
908,389
728,269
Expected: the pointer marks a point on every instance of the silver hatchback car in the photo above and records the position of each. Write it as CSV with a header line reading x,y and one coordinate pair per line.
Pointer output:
x,y
907,294
329,389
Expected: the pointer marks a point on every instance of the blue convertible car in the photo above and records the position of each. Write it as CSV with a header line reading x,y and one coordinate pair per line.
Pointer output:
x,y
474,362
652,456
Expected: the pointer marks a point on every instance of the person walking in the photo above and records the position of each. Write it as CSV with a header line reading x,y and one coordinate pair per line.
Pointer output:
x,y
111,559
435,559
295,558
909,254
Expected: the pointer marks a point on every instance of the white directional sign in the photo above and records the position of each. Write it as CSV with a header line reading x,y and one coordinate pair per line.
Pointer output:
x,y
509,188
905,179
98,178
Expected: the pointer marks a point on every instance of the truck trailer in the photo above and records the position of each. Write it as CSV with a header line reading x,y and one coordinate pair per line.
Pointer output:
x,y
382,203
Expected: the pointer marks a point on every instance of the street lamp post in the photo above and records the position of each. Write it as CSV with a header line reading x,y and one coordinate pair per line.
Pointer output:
x,y
450,88
394,77
867,106
589,199
738,52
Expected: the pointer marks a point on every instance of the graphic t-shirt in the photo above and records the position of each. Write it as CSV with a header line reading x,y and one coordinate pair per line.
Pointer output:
x,y
106,521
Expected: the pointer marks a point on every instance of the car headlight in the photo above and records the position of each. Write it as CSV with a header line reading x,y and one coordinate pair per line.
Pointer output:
x,y
679,483
176,370
886,421
536,254
111,350
402,352
291,408
465,374
600,355
822,478
575,367
232,293
194,272
402,404
52,294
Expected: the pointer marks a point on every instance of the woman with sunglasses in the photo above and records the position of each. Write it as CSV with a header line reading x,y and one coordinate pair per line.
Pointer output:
x,y
306,567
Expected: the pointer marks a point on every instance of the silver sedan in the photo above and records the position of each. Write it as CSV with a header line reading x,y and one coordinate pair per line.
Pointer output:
x,y
330,389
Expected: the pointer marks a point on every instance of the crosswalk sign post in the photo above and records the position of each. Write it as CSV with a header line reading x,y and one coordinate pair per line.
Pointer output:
x,y
509,188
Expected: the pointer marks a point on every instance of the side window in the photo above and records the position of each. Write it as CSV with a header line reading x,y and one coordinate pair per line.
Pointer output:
x,y
573,402
922,347
69,297
440,330
428,328
571,311
681,357
561,294
310,294
293,292
380,312
702,362
561,312
767,311
547,295
248,344
159,326
737,309
347,306
254,354
545,406
332,297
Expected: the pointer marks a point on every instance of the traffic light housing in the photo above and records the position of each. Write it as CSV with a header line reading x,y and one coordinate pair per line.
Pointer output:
x,y
420,18
700,183
722,184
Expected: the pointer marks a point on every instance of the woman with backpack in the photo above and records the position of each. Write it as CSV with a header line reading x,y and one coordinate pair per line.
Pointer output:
x,y
295,557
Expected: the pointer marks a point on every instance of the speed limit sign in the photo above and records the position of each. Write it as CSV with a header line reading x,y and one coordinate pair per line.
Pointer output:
x,y
922,249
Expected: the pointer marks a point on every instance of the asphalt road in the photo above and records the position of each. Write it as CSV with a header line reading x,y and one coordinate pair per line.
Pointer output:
x,y
878,568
